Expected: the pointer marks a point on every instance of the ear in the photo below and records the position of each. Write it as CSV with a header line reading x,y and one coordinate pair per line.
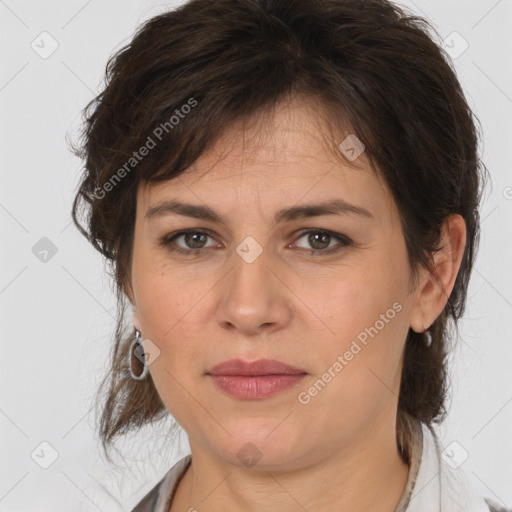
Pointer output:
x,y
129,293
136,319
435,287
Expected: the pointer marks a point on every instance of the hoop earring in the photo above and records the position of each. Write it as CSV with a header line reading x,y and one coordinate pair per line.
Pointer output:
x,y
428,336
137,358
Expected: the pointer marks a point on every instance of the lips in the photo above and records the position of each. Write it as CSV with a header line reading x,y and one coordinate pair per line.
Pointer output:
x,y
260,367
260,379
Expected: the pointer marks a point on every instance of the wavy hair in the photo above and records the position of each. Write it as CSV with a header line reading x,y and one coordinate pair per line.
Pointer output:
x,y
366,64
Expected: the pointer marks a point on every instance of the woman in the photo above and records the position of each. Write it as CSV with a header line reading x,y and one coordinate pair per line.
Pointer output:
x,y
287,192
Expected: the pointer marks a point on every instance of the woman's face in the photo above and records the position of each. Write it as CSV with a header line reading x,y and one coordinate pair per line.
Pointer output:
x,y
261,285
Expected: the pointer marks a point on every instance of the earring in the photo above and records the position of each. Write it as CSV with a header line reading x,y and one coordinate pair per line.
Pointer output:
x,y
428,336
135,363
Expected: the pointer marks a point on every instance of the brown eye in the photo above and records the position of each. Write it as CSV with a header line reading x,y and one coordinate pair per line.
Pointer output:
x,y
319,241
194,241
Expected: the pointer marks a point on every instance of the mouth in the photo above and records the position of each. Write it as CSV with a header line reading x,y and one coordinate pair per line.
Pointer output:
x,y
261,367
259,379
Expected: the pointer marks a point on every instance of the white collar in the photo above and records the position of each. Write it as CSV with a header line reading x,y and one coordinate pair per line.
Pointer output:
x,y
439,487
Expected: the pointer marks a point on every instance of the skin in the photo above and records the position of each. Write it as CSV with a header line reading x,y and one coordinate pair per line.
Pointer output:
x,y
339,451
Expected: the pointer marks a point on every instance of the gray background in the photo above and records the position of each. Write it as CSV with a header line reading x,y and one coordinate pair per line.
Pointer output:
x,y
57,308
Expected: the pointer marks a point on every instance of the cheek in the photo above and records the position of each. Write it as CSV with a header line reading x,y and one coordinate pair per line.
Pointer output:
x,y
168,307
162,295
354,301
167,311
366,324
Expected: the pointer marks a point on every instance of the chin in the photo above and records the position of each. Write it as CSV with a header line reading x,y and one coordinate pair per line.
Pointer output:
x,y
264,446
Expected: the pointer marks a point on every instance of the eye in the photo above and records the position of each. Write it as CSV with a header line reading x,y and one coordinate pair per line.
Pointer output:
x,y
193,239
320,241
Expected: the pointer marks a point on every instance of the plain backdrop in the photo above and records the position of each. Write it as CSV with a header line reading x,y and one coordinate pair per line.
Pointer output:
x,y
57,306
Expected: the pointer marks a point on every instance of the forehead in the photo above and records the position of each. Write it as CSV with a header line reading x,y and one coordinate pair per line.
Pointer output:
x,y
281,157
293,131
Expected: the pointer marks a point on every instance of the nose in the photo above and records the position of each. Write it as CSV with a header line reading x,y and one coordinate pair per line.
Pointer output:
x,y
254,298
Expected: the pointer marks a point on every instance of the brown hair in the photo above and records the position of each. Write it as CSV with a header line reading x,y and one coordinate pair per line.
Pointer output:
x,y
190,73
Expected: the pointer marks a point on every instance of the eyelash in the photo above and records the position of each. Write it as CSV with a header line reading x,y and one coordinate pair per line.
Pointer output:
x,y
168,239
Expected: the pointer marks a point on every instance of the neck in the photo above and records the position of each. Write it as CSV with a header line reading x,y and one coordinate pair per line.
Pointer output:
x,y
368,475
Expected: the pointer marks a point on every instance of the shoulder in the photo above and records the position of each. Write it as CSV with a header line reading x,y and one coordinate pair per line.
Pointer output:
x,y
148,503
440,480
159,498
494,507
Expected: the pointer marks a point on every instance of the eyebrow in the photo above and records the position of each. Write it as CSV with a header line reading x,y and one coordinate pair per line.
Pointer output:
x,y
333,207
